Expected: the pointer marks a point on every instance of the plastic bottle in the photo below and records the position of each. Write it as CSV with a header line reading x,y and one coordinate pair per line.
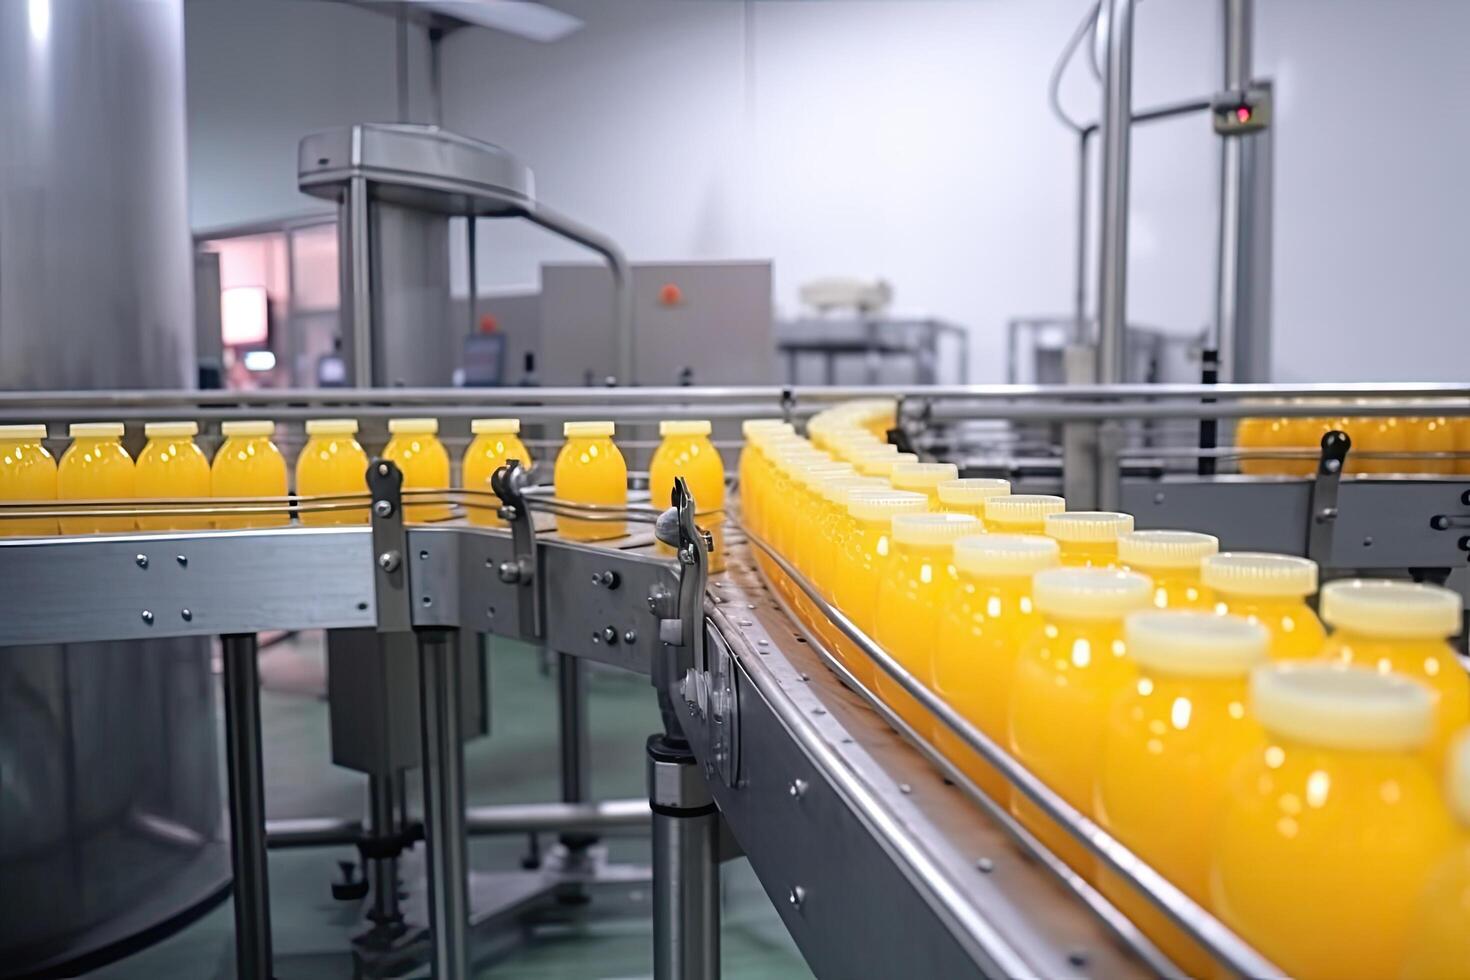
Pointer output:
x,y
496,442
96,467
860,566
1271,589
1088,538
332,462
1329,831
1021,513
591,470
1172,559
27,472
1439,938
248,464
968,495
171,467
923,478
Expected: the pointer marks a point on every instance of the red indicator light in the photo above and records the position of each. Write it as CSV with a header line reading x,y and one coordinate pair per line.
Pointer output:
x,y
1243,114
670,294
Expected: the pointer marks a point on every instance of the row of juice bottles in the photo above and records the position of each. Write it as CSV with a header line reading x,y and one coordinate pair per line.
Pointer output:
x,y
1189,701
1422,434
249,466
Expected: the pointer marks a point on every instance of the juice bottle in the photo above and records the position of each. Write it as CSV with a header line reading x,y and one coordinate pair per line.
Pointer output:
x,y
774,446
1370,435
923,478
1403,627
1088,538
805,512
1461,426
496,442
96,467
1429,436
988,617
1172,740
27,472
915,584
779,506
591,470
248,464
1021,513
881,463
861,565
1067,677
1328,831
1172,559
1271,589
752,464
416,449
171,466
1253,433
686,451
1439,939
332,463
834,528
968,495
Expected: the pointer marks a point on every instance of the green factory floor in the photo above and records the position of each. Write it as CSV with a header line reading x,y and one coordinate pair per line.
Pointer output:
x,y
517,763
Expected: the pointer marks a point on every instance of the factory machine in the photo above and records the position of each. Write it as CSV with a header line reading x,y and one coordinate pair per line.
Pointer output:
x,y
880,856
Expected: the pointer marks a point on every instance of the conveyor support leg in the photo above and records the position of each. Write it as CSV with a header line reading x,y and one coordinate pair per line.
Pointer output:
x,y
444,801
686,870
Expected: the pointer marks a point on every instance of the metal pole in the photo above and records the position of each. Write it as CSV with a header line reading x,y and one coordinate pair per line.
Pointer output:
x,y
402,63
383,872
357,321
1237,15
444,801
1079,298
247,806
1112,281
686,870
572,707
472,276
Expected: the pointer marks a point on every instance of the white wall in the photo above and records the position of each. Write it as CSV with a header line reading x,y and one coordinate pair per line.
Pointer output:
x,y
911,139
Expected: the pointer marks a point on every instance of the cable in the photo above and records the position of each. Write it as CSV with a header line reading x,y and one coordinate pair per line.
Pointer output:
x,y
1054,86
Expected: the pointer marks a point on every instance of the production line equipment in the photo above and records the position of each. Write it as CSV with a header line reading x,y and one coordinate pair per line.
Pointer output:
x,y
881,856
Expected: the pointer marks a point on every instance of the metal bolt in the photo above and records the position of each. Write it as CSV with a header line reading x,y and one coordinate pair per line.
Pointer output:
x,y
762,643
186,614
141,561
382,469
423,556
388,561
750,605
819,711
596,637
1077,958
609,635
607,578
806,677
383,508
797,789
490,612
506,513
746,622
183,560
1368,542
905,788
509,572
1332,466
985,865
630,637
796,896
147,617
1159,497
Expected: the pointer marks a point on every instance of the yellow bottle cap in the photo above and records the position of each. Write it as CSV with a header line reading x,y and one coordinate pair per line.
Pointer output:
x,y
253,427
495,427
751,426
922,476
1342,707
882,505
834,487
972,490
1457,787
1022,508
331,427
170,430
789,457
684,427
1259,573
1396,610
1195,644
22,433
925,529
587,430
882,464
1090,593
1005,554
851,447
808,474
1088,526
95,430
1166,549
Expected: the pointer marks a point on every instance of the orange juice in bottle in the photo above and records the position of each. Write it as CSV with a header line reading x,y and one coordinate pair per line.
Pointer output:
x,y
496,442
1439,939
96,467
415,448
988,617
248,464
968,495
1088,538
1172,559
834,525
1433,438
27,472
1329,830
590,470
861,564
686,451
752,465
1067,677
1403,627
332,463
1171,742
1021,513
1370,435
1271,589
171,466
923,478
915,583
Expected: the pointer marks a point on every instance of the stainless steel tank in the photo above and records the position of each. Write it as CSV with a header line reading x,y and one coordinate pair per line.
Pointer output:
x,y
110,809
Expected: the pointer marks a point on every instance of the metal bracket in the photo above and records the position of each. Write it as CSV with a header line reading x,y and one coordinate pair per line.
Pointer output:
x,y
509,482
1322,516
788,403
390,570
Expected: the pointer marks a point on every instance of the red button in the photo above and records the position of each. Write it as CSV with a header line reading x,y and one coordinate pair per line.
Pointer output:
x,y
670,294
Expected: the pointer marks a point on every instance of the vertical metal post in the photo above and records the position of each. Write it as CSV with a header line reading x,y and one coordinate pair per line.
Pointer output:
x,y
383,805
357,318
1234,197
401,63
1112,253
444,801
1079,297
472,273
686,870
247,807
572,705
